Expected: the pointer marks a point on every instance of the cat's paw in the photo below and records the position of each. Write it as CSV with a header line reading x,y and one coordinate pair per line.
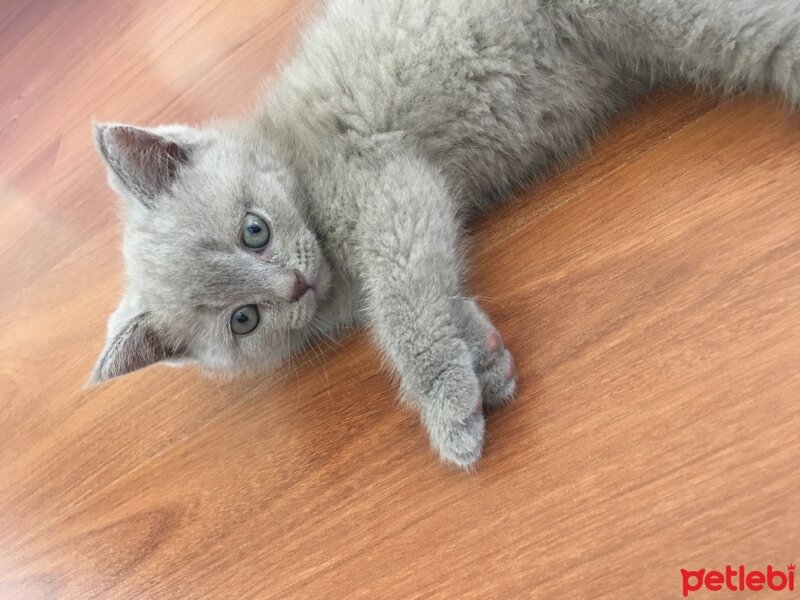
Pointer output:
x,y
493,363
497,372
459,442
453,414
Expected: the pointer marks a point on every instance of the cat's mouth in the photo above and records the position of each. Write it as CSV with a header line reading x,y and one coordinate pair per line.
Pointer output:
x,y
303,286
305,296
305,307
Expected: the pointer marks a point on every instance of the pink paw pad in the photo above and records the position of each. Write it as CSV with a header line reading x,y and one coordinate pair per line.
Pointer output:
x,y
494,342
478,406
511,368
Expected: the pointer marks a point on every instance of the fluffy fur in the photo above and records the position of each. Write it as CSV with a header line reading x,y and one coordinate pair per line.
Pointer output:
x,y
393,123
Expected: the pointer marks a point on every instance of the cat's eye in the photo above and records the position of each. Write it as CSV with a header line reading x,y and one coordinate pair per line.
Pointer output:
x,y
255,232
245,319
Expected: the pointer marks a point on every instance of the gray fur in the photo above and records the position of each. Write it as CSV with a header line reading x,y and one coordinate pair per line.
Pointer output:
x,y
392,124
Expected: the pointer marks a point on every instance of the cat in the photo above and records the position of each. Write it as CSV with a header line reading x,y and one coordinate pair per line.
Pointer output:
x,y
342,199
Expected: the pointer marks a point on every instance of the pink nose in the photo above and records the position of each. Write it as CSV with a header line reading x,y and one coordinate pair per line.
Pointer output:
x,y
301,286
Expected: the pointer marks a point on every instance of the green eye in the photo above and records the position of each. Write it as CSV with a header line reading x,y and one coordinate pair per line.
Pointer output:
x,y
244,319
255,232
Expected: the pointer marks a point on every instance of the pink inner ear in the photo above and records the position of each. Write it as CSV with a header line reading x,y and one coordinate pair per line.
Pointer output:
x,y
143,159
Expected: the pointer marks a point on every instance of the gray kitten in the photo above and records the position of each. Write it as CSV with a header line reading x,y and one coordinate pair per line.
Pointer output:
x,y
343,198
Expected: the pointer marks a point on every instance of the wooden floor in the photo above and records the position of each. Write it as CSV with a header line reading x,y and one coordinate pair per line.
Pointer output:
x,y
651,295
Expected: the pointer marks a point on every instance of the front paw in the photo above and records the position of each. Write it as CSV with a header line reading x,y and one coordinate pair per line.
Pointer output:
x,y
459,442
452,412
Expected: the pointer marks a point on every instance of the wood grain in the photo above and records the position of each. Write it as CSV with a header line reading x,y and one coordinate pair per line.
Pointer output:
x,y
650,294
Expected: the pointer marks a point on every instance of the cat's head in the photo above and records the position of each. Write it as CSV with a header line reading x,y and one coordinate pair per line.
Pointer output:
x,y
222,268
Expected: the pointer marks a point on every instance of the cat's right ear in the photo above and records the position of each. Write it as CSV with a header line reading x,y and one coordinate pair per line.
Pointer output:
x,y
143,162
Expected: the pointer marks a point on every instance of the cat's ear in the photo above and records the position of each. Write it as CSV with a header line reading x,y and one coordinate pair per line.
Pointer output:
x,y
145,162
133,343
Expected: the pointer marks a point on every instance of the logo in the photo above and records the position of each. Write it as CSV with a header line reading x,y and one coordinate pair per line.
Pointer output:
x,y
738,580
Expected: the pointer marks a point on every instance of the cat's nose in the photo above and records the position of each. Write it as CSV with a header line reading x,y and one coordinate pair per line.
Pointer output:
x,y
301,286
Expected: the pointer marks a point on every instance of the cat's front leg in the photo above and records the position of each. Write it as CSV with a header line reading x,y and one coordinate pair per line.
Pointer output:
x,y
727,43
410,265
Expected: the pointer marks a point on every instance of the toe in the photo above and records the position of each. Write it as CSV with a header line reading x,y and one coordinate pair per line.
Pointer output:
x,y
499,381
494,342
462,443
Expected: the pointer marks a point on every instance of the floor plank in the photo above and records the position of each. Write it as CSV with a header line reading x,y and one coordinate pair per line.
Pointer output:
x,y
649,294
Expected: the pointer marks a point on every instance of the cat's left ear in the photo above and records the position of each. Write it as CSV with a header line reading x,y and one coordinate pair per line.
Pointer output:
x,y
144,162
134,341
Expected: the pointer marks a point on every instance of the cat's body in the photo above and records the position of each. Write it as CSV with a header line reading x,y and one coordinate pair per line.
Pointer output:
x,y
393,123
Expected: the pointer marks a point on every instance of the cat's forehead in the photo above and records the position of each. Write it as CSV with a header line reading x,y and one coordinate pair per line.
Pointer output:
x,y
222,192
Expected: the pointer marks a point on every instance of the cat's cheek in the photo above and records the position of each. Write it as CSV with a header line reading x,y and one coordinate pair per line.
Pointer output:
x,y
325,279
